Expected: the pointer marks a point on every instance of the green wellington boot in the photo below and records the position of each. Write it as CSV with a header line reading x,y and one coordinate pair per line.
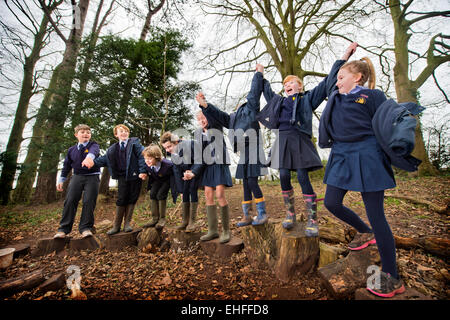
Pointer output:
x,y
127,220
155,214
193,215
120,211
162,214
211,214
184,216
225,216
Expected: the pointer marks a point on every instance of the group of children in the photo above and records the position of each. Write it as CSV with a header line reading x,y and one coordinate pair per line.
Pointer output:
x,y
356,163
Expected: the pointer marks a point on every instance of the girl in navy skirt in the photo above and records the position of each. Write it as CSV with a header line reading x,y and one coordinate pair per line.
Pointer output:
x,y
358,163
182,153
250,166
216,175
293,149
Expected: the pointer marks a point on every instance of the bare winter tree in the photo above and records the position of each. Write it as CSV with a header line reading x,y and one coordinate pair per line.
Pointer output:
x,y
30,28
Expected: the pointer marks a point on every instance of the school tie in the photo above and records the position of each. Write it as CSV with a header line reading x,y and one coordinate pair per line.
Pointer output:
x,y
122,146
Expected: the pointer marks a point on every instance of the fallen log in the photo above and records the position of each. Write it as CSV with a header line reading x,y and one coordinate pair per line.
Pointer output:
x,y
434,245
24,282
335,231
222,250
343,277
122,239
441,210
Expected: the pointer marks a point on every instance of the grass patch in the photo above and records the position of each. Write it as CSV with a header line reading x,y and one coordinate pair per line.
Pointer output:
x,y
27,218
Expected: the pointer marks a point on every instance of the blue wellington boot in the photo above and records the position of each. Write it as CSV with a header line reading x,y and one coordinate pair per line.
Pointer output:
x,y
262,217
247,218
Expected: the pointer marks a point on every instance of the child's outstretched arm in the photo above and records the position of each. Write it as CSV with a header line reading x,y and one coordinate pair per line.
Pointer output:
x,y
266,89
327,85
211,112
256,89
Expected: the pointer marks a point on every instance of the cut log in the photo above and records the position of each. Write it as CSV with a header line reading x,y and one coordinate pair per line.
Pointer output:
x,y
222,250
287,253
434,245
88,243
329,254
24,282
299,254
122,239
335,231
343,277
262,243
149,239
441,210
54,283
409,294
22,249
181,240
49,245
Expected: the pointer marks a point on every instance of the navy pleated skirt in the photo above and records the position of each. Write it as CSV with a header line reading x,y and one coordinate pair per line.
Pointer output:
x,y
294,150
217,174
252,163
359,166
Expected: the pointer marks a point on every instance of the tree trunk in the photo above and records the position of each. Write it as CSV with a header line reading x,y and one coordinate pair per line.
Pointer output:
x,y
104,182
46,185
16,136
405,88
23,191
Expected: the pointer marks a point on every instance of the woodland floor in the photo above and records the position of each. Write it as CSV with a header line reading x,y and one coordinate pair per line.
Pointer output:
x,y
133,274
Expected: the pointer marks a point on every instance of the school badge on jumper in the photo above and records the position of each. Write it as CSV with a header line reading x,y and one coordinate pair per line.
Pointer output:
x,y
360,100
86,151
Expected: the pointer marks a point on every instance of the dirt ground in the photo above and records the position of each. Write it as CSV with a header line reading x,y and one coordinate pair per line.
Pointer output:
x,y
133,274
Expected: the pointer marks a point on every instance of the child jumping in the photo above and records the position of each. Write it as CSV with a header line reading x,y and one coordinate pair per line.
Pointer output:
x,y
251,158
293,150
216,175
357,163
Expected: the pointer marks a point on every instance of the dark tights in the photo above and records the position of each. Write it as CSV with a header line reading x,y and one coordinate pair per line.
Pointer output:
x,y
251,186
303,180
374,204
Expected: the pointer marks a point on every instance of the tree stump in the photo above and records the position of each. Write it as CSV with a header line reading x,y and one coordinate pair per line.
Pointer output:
x,y
149,239
222,250
122,239
285,252
409,294
54,283
343,277
299,254
24,282
88,243
48,245
22,249
181,240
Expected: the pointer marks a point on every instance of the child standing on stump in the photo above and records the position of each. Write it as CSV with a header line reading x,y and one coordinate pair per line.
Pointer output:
x,y
293,150
160,173
182,153
249,143
125,163
216,175
85,181
358,163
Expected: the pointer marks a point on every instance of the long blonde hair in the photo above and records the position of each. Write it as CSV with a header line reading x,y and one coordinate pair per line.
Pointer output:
x,y
365,67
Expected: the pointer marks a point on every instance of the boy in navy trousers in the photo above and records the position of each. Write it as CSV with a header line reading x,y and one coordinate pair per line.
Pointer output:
x,y
125,163
85,181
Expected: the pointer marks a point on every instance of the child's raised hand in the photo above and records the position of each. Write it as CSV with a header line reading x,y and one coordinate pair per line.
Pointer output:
x,y
188,175
259,68
200,97
350,51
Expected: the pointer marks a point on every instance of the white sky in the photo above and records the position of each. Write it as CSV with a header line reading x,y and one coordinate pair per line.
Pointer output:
x,y
129,25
